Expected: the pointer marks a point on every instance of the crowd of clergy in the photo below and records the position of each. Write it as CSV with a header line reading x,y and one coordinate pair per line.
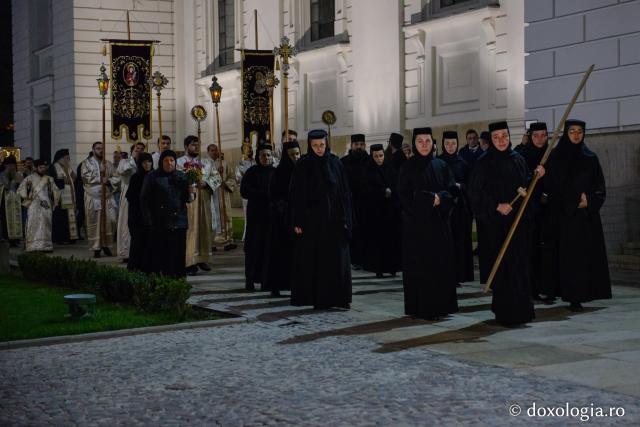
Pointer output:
x,y
310,219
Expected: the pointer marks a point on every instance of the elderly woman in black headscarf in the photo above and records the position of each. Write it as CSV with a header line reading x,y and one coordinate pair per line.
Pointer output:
x,y
495,180
424,187
461,218
254,188
543,282
278,274
139,247
576,188
163,201
322,221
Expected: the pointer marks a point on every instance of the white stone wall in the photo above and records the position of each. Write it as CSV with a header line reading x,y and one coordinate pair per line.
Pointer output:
x,y
464,68
21,91
98,19
562,39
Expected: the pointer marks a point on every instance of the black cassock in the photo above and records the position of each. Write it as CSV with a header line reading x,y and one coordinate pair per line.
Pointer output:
x,y
60,218
278,274
583,271
139,249
494,180
461,218
542,254
321,206
355,167
382,226
255,189
427,249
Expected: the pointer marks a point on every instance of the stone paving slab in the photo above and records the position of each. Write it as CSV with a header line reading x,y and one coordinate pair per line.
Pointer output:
x,y
366,366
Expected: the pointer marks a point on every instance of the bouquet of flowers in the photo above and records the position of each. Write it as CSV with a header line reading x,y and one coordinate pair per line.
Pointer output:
x,y
193,170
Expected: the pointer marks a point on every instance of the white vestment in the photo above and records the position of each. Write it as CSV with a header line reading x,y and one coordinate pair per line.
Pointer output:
x,y
39,195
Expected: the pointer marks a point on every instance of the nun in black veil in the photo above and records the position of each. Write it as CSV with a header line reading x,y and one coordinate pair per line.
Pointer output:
x,y
322,220
424,188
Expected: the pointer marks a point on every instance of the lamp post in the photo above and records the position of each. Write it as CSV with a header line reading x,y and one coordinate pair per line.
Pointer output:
x,y
158,82
103,89
216,93
285,51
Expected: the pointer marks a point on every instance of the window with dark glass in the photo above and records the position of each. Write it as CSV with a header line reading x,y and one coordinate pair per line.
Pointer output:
x,y
225,32
447,3
322,15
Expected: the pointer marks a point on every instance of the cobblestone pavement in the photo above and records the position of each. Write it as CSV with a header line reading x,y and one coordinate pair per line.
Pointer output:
x,y
295,366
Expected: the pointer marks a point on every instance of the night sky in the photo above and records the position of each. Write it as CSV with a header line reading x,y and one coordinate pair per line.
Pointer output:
x,y
6,78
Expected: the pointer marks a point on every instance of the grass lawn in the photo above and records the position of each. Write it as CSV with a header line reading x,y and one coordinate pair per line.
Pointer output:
x,y
34,310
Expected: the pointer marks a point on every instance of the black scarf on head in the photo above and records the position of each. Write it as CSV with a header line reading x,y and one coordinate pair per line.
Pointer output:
x,y
568,152
450,158
421,131
532,154
322,172
141,158
492,152
166,153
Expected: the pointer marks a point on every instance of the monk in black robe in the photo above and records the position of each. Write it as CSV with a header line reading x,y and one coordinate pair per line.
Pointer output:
x,y
278,275
61,232
424,188
382,232
542,279
494,182
355,166
139,248
576,190
321,216
255,190
461,218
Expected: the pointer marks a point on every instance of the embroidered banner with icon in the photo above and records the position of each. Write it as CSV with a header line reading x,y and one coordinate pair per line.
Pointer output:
x,y
256,64
130,90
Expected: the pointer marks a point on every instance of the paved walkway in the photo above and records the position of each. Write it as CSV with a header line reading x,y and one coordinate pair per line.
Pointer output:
x,y
366,366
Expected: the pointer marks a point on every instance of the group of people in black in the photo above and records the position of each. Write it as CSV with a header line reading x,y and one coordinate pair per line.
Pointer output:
x,y
314,217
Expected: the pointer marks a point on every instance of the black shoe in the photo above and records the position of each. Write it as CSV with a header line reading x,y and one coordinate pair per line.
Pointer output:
x,y
393,274
96,254
192,270
230,246
576,307
125,260
356,267
214,249
378,275
249,286
275,293
204,266
107,251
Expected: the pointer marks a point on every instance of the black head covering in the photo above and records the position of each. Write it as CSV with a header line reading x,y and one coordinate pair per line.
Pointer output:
x,y
376,147
357,137
449,134
141,158
289,145
395,140
262,147
11,160
495,126
320,164
39,162
60,154
165,153
537,126
485,136
566,149
421,131
532,154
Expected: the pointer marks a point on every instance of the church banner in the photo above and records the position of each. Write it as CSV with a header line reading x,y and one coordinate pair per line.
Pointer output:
x,y
130,90
255,95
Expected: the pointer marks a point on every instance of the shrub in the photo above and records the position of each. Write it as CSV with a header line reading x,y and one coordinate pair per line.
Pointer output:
x,y
149,293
